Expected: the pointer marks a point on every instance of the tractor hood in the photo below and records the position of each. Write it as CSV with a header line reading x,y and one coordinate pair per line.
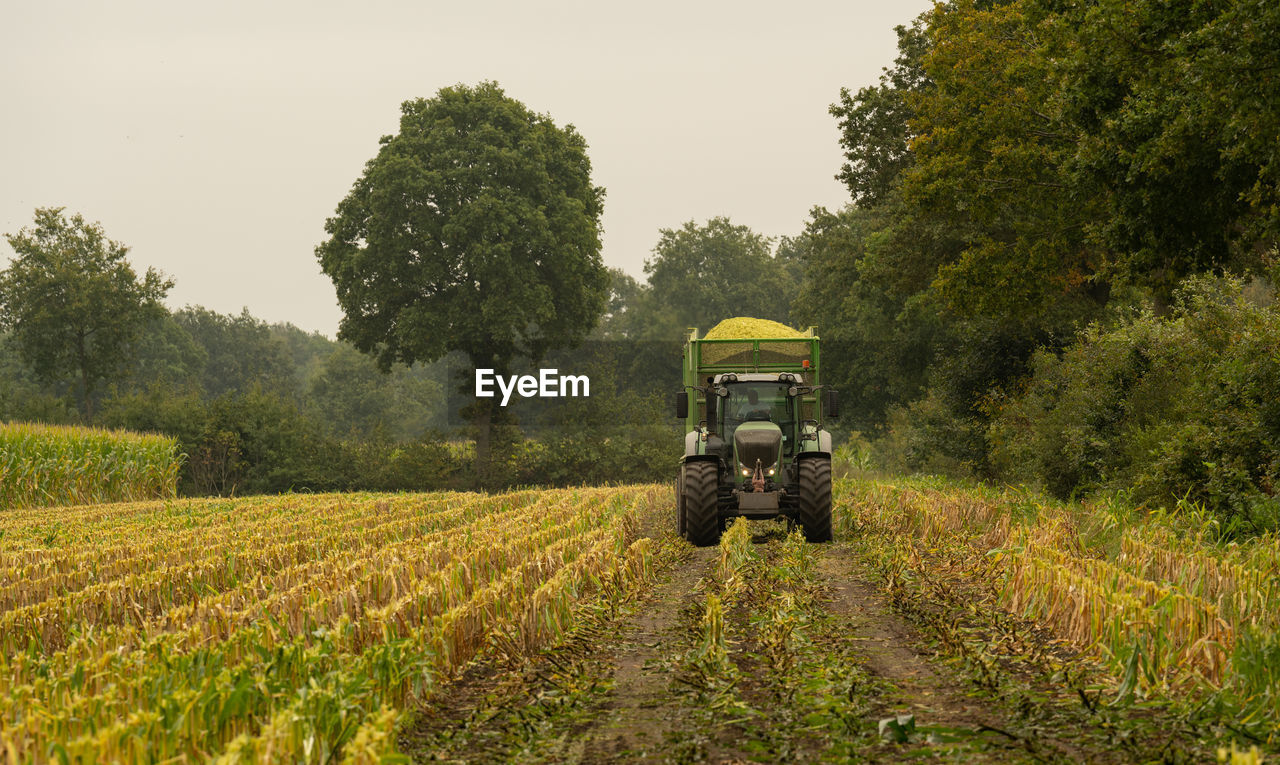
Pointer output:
x,y
757,441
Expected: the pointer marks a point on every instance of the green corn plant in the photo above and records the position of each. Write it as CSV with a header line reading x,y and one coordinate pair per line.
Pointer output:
x,y
51,465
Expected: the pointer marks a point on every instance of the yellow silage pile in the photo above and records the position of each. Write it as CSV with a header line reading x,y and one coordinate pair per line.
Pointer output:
x,y
747,328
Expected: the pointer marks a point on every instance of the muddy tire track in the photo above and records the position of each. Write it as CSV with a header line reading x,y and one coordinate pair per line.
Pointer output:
x,y
638,716
888,644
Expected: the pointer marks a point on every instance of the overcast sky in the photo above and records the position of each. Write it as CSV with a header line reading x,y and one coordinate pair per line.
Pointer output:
x,y
215,138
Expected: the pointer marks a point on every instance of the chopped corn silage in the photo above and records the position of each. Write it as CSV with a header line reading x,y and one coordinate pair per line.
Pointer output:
x,y
747,328
749,331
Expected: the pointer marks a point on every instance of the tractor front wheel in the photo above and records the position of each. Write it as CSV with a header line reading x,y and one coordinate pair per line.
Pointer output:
x,y
815,498
701,509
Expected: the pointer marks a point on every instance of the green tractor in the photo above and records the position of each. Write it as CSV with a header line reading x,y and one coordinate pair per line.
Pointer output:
x,y
754,444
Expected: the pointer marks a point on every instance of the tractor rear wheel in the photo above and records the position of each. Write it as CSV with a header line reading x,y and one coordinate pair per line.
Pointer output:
x,y
815,498
701,508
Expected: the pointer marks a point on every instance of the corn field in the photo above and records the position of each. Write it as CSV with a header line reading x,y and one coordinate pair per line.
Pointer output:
x,y
306,628
51,465
1172,612
283,629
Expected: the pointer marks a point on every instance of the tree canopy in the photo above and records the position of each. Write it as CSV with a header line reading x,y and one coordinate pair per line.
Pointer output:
x,y
701,274
875,128
1027,167
476,228
240,352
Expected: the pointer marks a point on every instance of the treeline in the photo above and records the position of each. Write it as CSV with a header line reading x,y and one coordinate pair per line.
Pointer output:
x,y
255,407
263,408
1059,260
260,407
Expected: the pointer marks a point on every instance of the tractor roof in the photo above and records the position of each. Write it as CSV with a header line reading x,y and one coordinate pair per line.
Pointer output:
x,y
776,377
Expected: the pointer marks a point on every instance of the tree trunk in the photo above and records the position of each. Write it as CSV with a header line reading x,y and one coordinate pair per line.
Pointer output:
x,y
86,403
484,414
483,421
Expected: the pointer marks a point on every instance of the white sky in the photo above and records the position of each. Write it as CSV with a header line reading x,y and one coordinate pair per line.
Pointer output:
x,y
215,138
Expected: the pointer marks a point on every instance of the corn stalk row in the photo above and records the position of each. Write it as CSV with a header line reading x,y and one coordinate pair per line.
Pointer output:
x,y
1166,609
292,647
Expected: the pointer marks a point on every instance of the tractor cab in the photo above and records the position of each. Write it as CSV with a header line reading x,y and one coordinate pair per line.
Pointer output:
x,y
756,423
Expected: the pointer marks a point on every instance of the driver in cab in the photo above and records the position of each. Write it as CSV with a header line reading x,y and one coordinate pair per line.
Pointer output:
x,y
751,410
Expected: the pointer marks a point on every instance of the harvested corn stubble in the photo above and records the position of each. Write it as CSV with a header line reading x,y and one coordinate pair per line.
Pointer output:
x,y
284,629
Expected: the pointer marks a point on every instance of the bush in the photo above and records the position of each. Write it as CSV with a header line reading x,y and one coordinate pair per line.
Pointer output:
x,y
385,465
640,454
263,441
1178,407
945,430
237,443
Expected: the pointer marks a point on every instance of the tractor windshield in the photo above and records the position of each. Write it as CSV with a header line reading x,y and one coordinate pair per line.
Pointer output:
x,y
758,402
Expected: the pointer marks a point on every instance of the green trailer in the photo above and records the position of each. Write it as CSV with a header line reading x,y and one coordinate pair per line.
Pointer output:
x,y
755,446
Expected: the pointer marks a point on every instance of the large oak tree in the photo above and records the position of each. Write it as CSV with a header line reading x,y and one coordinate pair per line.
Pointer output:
x,y
476,228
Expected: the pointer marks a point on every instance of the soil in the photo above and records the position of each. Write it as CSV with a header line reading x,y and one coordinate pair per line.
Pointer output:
x,y
892,650
635,717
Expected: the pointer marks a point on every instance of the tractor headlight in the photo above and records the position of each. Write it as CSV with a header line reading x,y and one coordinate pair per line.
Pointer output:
x,y
746,471
770,471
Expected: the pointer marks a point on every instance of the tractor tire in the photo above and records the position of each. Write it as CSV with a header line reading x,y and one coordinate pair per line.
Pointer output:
x,y
815,498
680,521
701,505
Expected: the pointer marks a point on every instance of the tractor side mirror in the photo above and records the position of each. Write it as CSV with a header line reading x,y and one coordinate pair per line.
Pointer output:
x,y
831,404
682,404
712,401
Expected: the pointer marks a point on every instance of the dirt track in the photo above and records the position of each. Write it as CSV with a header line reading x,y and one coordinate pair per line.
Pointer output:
x,y
625,689
643,718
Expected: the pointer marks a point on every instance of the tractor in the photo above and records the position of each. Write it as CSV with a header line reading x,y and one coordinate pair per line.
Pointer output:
x,y
754,445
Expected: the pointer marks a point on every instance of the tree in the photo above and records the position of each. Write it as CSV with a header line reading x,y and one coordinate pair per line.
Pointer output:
x,y
166,354
1179,108
875,122
700,275
351,397
476,228
877,339
971,250
72,303
22,397
240,352
989,151
620,320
